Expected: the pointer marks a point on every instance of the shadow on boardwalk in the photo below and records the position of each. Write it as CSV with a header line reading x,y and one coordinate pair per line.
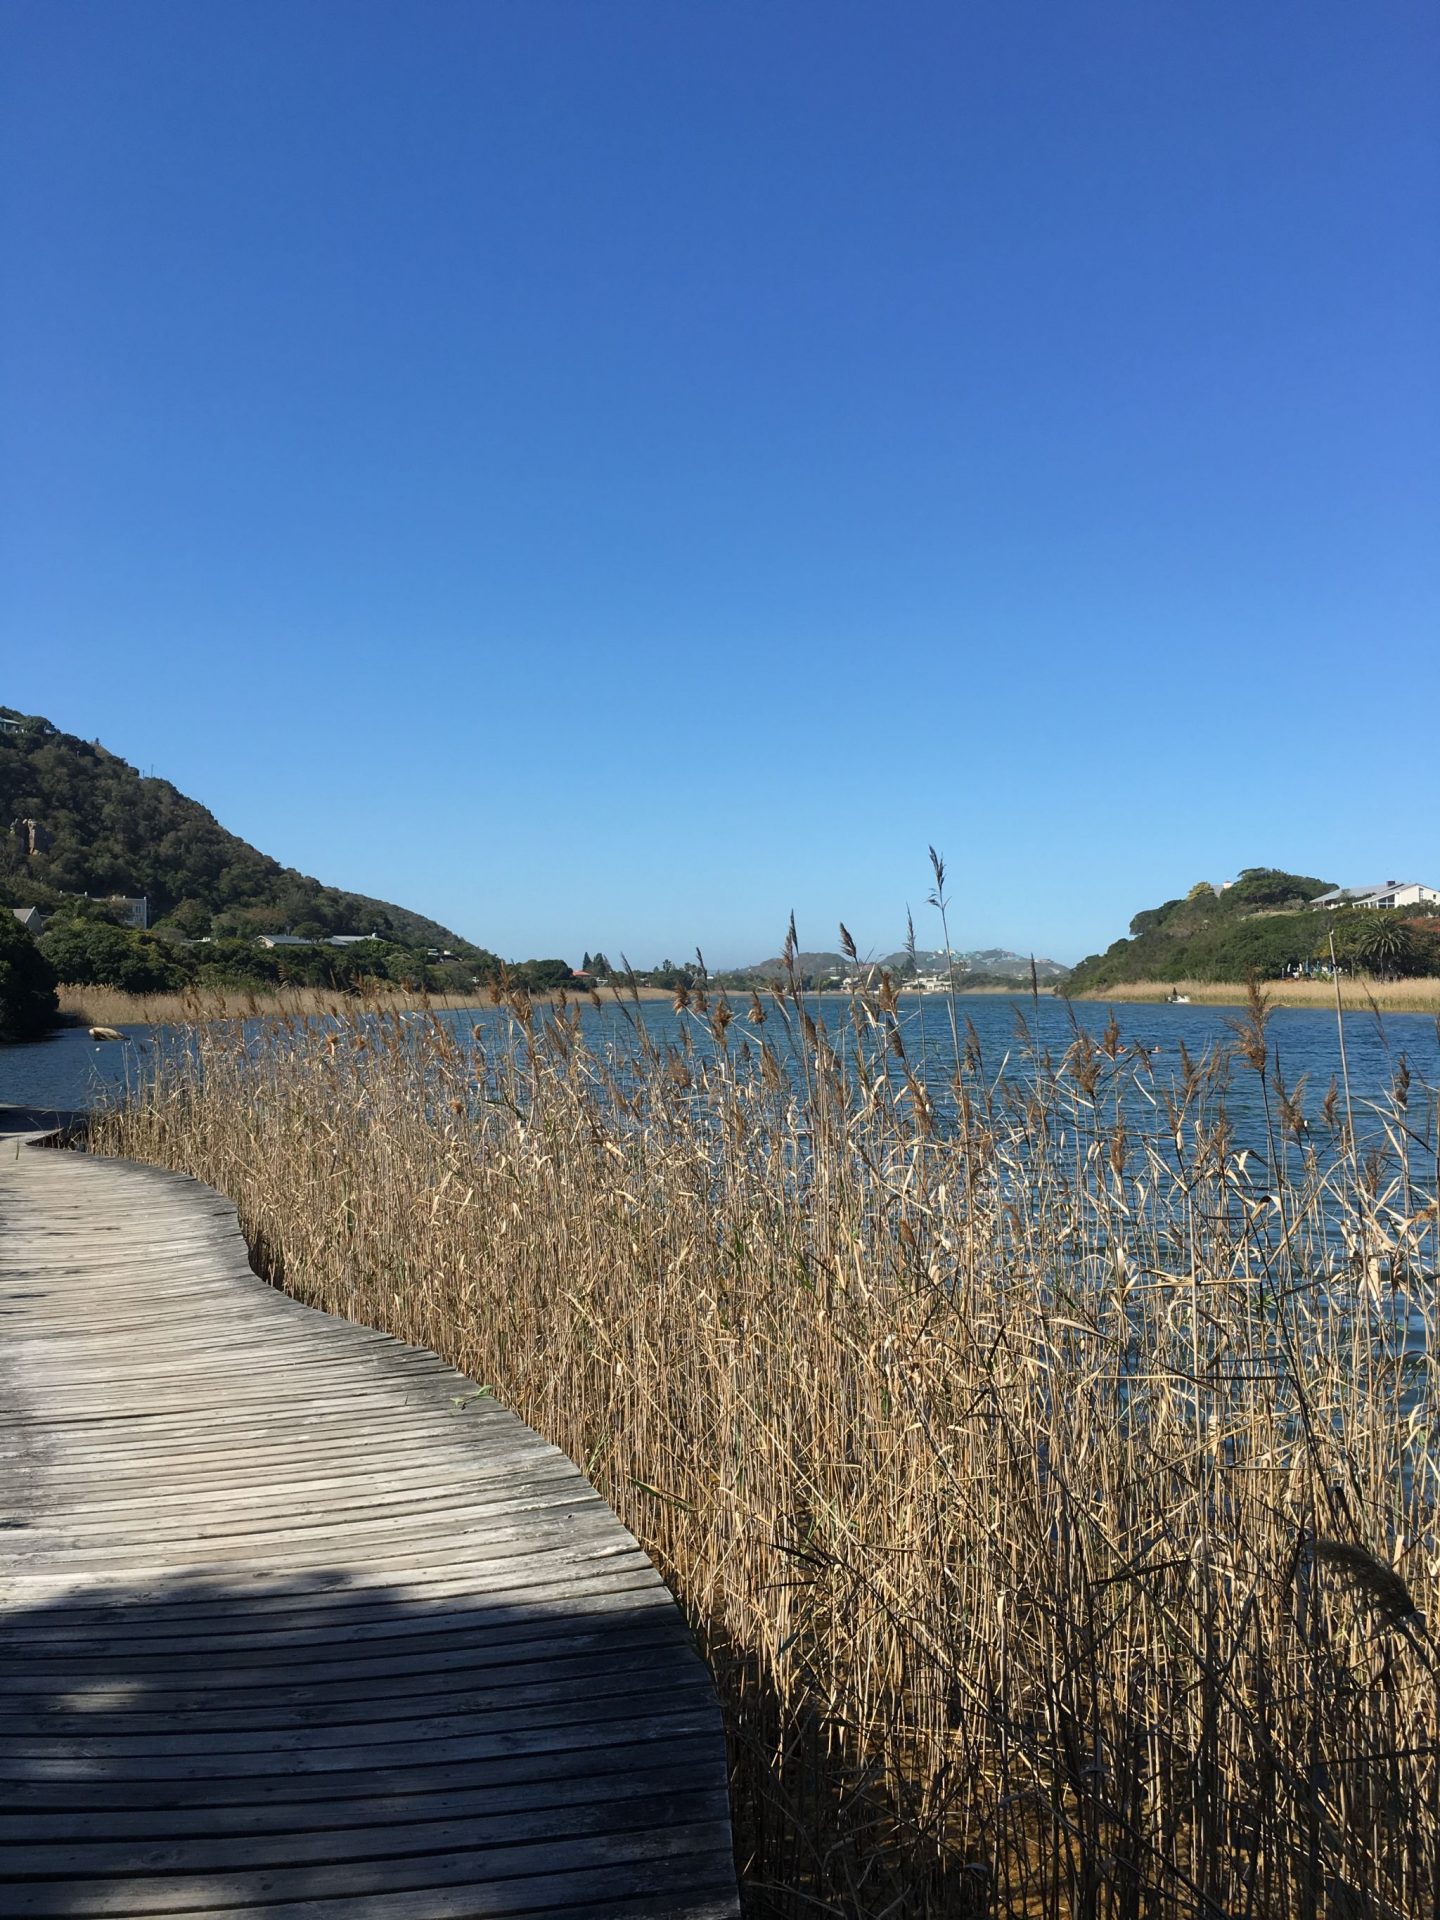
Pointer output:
x,y
318,1745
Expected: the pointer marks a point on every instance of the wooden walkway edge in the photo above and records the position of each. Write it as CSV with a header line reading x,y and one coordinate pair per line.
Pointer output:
x,y
298,1623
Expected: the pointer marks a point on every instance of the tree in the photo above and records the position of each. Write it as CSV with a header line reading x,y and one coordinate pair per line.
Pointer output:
x,y
1151,919
542,976
1384,943
191,920
1375,940
27,983
1273,887
87,953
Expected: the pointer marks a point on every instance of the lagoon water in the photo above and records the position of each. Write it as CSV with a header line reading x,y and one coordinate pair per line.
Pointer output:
x,y
70,1071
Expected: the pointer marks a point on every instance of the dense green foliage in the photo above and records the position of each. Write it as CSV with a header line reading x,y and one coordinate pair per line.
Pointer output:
x,y
27,983
105,829
1264,925
540,976
89,952
1391,945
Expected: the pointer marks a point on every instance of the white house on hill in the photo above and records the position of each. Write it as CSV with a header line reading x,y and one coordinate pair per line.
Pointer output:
x,y
1394,893
318,940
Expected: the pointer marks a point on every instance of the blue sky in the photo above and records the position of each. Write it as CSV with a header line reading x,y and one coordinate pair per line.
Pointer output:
x,y
607,474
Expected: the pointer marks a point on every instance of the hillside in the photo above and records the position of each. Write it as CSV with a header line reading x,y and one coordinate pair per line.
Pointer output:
x,y
1262,923
75,818
998,963
982,966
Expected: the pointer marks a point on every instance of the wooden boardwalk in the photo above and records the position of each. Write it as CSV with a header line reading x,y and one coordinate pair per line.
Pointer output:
x,y
296,1623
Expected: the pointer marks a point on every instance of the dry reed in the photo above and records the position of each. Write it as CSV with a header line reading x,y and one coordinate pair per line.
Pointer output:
x,y
110,1007
1046,1473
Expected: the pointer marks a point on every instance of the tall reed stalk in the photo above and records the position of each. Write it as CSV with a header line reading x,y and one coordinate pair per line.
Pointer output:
x,y
113,1007
1049,1479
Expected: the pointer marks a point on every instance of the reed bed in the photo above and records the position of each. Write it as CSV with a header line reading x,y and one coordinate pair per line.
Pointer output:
x,y
1048,1475
110,1007
1358,993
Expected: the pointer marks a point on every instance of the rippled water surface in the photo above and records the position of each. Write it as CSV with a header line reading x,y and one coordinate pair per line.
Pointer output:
x,y
70,1070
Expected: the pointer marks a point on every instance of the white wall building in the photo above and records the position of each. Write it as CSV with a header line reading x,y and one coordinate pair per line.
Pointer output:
x,y
1393,893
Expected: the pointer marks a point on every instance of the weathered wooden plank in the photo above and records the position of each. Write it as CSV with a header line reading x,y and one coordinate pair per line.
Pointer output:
x,y
384,1481
486,1825
543,1484
557,1681
506,1625
499,1868
601,1569
428,1745
115,1606
286,1796
212,1668
299,1623
537,1785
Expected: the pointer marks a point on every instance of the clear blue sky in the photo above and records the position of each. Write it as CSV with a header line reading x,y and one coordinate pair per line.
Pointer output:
x,y
607,473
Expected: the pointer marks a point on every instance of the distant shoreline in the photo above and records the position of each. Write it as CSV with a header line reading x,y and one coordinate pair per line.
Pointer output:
x,y
103,1006
1016,992
1356,995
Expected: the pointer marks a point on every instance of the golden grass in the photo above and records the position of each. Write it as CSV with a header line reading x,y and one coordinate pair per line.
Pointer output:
x,y
109,1007
1391,996
1052,1490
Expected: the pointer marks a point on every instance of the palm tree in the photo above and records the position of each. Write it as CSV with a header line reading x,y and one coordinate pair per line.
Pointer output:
x,y
1383,943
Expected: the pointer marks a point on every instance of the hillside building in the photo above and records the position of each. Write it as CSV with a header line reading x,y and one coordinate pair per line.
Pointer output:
x,y
1391,893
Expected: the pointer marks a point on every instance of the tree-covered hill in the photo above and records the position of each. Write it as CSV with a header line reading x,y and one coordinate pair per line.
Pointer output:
x,y
989,963
1263,924
76,819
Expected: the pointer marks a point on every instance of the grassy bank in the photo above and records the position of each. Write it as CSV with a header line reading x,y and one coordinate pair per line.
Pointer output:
x,y
1057,1517
1358,995
109,1007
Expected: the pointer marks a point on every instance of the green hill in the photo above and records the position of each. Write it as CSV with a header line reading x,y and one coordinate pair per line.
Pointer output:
x,y
983,963
1261,923
77,819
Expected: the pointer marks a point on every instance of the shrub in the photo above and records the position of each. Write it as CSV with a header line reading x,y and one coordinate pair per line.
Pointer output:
x,y
27,983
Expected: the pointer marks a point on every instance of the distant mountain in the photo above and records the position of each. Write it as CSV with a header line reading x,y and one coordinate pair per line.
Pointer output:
x,y
75,818
989,963
807,965
993,960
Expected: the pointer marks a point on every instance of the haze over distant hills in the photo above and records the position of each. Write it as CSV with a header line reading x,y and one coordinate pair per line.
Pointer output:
x,y
990,963
75,818
997,960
